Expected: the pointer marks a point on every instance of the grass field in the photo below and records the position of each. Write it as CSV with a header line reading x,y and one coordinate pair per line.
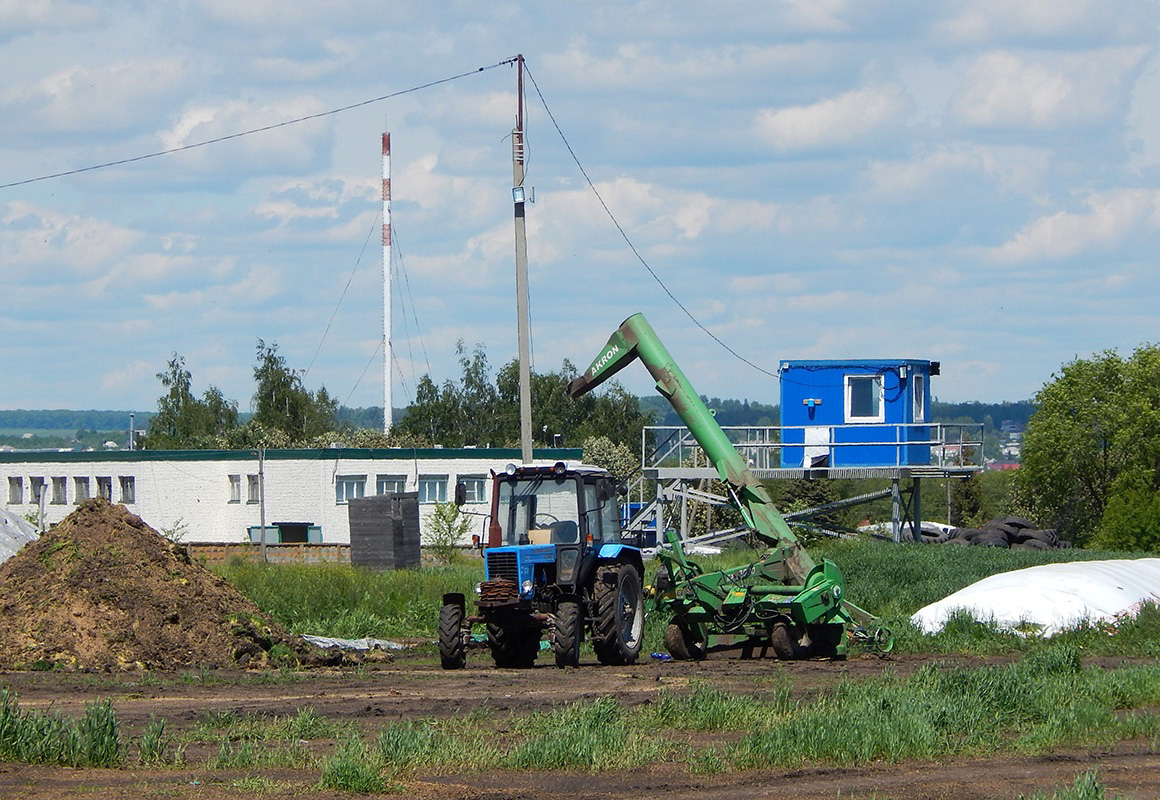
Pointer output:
x,y
892,581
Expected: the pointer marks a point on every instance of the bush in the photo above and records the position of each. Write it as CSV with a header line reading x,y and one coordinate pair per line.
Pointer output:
x,y
1131,521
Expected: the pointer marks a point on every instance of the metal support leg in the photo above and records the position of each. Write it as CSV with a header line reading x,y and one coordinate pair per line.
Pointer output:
x,y
895,511
916,510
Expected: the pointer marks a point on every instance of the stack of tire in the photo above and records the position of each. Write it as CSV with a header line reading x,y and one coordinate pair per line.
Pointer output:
x,y
1014,533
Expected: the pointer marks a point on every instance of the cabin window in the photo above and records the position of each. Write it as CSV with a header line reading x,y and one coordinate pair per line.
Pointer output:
x,y
919,398
864,398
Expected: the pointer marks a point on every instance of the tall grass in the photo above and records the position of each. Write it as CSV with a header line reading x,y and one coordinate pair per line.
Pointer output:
x,y
34,737
889,580
345,601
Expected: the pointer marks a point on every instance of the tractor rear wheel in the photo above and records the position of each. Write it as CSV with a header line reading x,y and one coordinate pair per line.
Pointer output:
x,y
452,649
618,625
681,645
567,634
516,648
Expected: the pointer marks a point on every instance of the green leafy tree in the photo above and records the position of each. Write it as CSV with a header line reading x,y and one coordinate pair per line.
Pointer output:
x,y
184,422
1096,435
478,410
619,459
283,403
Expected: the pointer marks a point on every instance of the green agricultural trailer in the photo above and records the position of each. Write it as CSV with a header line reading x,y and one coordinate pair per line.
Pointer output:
x,y
787,602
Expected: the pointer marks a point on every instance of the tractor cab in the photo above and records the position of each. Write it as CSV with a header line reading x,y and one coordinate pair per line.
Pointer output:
x,y
553,505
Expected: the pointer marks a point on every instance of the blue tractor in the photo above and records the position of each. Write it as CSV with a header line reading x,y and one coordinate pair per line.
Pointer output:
x,y
555,565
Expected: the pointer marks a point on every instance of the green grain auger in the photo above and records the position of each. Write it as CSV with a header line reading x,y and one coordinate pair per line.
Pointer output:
x,y
786,602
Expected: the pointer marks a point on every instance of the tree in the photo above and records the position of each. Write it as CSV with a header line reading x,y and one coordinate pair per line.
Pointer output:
x,y
184,422
477,411
1095,435
283,403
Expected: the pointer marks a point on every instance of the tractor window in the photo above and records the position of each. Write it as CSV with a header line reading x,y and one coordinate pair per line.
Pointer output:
x,y
539,511
592,510
610,518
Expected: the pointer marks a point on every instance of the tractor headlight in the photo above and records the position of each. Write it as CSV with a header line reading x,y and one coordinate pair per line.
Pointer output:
x,y
526,586
479,588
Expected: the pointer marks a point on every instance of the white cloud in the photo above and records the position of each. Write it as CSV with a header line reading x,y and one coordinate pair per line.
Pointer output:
x,y
1005,89
70,243
1108,219
1016,169
988,20
851,118
29,16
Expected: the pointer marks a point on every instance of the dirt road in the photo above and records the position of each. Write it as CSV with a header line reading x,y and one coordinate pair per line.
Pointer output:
x,y
414,687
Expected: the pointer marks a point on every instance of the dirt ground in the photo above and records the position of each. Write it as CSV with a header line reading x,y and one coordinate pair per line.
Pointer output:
x,y
414,686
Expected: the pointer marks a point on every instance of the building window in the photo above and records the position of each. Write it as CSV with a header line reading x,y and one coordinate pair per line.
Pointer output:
x,y
37,487
235,488
253,489
59,491
16,490
105,488
128,489
390,484
864,398
476,488
920,398
432,488
81,487
349,487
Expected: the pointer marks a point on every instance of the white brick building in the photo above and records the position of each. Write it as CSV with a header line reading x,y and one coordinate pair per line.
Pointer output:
x,y
214,495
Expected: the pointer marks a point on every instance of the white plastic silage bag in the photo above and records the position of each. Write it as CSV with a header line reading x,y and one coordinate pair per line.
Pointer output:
x,y
1053,597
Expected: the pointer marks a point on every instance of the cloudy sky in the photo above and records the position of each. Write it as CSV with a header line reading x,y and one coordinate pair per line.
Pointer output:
x,y
969,182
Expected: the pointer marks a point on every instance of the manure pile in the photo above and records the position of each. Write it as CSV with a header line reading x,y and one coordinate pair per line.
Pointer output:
x,y
104,591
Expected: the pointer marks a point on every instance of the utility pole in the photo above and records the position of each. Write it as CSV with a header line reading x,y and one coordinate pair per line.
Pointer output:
x,y
522,269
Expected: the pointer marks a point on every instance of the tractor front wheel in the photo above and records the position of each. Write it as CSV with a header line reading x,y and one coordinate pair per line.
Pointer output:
x,y
452,648
618,625
567,633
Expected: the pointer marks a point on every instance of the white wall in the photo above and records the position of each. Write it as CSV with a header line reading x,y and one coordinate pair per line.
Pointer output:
x,y
190,490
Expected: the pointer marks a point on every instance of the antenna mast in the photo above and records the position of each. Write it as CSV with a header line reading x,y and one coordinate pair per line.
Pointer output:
x,y
387,421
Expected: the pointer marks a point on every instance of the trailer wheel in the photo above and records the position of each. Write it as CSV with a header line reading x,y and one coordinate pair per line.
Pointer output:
x,y
786,641
681,645
513,648
826,638
567,634
618,626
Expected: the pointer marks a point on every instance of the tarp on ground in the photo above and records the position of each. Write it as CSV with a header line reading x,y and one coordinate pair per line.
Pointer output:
x,y
1052,597
15,532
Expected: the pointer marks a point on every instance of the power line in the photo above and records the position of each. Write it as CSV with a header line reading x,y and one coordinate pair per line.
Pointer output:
x,y
624,234
342,296
262,129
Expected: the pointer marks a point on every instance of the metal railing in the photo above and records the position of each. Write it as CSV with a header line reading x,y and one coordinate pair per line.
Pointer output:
x,y
951,444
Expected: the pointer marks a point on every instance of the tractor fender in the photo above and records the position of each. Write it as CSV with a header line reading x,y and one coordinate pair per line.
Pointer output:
x,y
623,553
454,599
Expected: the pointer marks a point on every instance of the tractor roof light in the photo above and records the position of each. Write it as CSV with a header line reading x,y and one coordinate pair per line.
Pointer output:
x,y
559,467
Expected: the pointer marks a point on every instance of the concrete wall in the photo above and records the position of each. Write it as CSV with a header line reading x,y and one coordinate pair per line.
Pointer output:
x,y
190,491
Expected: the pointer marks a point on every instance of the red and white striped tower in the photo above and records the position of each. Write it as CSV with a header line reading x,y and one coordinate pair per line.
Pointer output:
x,y
387,283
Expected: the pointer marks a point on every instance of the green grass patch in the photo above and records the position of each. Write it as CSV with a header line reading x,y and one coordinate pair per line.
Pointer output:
x,y
1087,786
232,726
348,602
34,737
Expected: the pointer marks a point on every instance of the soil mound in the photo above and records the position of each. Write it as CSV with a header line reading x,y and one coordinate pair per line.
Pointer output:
x,y
104,591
